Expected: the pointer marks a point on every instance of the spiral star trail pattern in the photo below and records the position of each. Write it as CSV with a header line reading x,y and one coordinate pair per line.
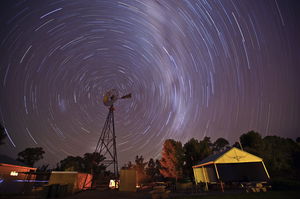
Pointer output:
x,y
194,68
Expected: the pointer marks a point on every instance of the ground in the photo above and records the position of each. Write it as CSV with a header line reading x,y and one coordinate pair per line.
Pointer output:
x,y
96,194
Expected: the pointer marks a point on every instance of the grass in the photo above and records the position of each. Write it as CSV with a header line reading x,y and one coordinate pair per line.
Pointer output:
x,y
267,195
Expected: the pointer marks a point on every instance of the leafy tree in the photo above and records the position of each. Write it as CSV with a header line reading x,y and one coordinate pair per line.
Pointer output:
x,y
192,155
237,145
252,142
205,148
129,165
172,159
72,163
280,155
31,155
2,134
140,168
92,163
220,145
151,170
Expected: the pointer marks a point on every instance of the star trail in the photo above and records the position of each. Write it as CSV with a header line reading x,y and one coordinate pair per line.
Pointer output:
x,y
194,68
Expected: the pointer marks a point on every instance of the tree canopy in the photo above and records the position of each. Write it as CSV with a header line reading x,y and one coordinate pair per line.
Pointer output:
x,y
31,155
172,159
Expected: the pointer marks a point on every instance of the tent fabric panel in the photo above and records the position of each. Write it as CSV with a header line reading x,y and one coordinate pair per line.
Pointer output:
x,y
205,174
237,156
198,173
243,172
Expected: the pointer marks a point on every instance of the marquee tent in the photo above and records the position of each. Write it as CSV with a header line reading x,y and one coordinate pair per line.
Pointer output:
x,y
232,165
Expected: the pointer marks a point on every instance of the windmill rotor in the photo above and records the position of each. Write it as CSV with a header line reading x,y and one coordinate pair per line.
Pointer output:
x,y
112,96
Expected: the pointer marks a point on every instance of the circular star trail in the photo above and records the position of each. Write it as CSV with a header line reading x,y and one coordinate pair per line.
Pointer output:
x,y
194,68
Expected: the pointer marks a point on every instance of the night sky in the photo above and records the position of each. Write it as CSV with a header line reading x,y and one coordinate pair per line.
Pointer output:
x,y
194,68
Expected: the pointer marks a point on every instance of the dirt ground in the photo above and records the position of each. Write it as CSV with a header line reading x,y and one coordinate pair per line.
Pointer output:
x,y
109,194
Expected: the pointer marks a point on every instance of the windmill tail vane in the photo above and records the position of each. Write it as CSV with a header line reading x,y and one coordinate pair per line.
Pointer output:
x,y
126,96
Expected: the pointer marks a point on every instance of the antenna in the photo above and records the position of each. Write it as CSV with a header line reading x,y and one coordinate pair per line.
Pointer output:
x,y
106,145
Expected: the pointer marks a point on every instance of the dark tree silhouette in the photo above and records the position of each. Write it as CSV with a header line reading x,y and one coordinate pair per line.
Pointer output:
x,y
251,139
140,168
220,145
192,155
151,170
72,163
31,155
92,163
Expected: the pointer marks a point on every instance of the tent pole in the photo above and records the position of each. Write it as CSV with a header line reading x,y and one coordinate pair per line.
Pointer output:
x,y
217,172
265,169
206,186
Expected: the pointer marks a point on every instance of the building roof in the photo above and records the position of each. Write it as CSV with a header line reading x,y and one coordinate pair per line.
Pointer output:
x,y
233,155
8,160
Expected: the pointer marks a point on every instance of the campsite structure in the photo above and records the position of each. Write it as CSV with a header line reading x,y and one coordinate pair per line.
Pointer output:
x,y
14,176
229,166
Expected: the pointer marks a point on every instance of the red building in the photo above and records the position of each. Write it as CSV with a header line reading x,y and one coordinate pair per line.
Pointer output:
x,y
13,176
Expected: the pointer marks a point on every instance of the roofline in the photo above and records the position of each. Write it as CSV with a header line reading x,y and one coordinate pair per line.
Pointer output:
x,y
10,165
209,163
213,162
204,164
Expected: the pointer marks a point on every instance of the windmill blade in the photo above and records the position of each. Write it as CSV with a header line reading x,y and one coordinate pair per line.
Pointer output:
x,y
126,96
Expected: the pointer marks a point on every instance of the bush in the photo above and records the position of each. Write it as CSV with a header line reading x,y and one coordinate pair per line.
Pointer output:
x,y
284,184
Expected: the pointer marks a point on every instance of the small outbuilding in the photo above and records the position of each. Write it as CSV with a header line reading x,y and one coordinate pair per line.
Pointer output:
x,y
14,178
232,165
73,181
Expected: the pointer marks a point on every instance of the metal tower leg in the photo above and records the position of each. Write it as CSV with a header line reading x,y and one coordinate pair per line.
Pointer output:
x,y
106,145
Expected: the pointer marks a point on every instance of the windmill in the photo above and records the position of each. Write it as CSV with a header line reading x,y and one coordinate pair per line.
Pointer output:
x,y
106,144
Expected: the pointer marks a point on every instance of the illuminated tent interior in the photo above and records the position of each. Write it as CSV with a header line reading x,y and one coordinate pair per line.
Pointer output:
x,y
232,165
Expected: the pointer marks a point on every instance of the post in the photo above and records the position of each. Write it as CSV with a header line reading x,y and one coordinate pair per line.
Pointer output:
x,y
206,186
217,172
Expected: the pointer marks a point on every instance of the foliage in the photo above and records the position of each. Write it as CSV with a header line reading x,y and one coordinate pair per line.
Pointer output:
x,y
220,145
281,155
2,134
252,142
140,168
192,155
31,155
172,159
89,163
72,163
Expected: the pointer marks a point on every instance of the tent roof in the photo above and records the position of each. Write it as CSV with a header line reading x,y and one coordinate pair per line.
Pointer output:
x,y
233,155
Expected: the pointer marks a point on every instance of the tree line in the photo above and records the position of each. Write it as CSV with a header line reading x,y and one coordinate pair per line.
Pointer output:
x,y
281,157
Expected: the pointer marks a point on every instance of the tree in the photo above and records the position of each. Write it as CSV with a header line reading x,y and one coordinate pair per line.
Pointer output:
x,y
92,162
31,155
192,155
205,148
220,145
280,155
251,139
151,170
172,159
2,134
72,163
129,165
140,168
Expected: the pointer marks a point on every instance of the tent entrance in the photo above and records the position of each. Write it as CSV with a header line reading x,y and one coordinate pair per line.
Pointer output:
x,y
242,172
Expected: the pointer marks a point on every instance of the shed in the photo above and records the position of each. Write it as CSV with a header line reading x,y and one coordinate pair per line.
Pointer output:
x,y
232,165
74,180
13,176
